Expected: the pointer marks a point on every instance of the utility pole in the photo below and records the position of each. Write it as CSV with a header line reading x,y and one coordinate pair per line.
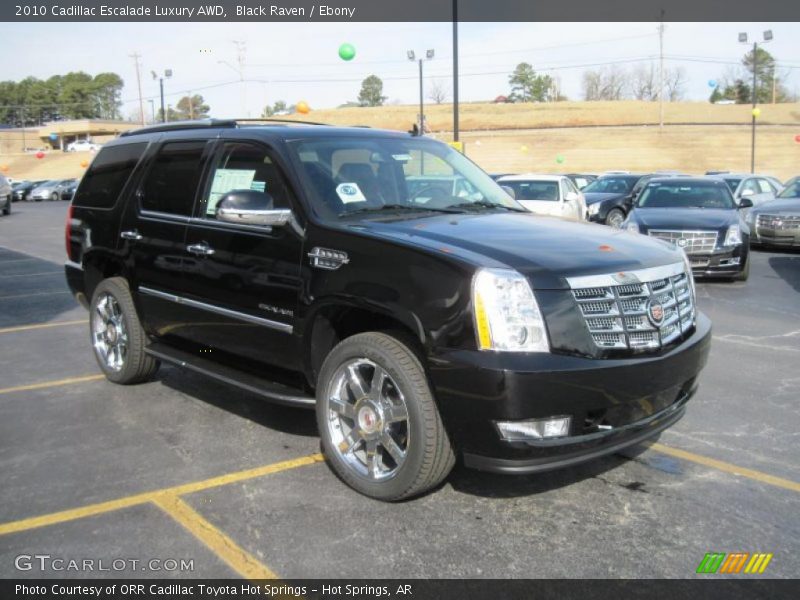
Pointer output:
x,y
240,60
455,70
661,72
136,56
754,95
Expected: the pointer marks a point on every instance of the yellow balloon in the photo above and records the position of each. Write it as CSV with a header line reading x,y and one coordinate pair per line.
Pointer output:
x,y
523,148
756,112
303,108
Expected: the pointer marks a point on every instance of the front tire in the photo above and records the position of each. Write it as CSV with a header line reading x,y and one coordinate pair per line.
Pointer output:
x,y
54,196
615,218
7,207
381,430
745,274
117,336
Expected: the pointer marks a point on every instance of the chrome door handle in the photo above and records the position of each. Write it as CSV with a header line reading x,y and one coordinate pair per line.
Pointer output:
x,y
130,235
200,249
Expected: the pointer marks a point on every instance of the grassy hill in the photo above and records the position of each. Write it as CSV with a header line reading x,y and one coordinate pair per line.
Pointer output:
x,y
589,136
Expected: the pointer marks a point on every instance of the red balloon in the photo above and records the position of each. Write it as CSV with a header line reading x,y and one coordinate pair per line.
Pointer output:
x,y
40,154
797,138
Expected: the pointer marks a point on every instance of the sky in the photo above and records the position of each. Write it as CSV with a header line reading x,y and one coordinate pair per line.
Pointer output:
x,y
299,61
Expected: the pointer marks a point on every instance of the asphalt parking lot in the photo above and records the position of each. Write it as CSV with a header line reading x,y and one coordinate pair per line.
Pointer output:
x,y
185,469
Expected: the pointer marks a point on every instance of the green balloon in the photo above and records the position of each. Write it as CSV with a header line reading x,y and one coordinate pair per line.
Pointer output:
x,y
559,159
347,52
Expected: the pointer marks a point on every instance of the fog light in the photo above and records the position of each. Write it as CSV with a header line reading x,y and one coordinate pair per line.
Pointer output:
x,y
534,429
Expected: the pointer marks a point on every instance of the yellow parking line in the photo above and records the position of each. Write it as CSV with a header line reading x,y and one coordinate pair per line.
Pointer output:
x,y
49,384
727,467
220,544
43,326
128,501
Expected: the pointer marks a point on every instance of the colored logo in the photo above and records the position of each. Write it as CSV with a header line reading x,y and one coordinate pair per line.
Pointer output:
x,y
655,312
735,562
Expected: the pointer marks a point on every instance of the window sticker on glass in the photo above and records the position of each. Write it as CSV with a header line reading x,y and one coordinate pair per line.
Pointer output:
x,y
259,186
350,192
226,180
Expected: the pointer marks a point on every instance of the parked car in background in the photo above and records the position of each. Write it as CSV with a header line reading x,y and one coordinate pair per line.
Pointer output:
x,y
581,180
82,146
700,216
553,195
497,176
757,188
5,195
68,187
777,222
49,190
22,191
791,182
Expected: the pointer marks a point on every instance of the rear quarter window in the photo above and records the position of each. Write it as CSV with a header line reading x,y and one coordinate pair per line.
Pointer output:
x,y
107,175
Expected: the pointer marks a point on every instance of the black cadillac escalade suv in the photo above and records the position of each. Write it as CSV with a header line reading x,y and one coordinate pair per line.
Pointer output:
x,y
296,262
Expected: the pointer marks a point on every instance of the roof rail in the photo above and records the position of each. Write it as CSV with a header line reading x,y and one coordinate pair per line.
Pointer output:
x,y
277,120
178,125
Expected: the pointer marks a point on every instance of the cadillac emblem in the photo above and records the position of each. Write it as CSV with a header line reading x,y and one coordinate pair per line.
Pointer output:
x,y
655,312
682,242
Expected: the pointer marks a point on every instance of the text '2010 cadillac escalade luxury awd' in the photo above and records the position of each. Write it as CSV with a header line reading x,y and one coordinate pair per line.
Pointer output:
x,y
420,323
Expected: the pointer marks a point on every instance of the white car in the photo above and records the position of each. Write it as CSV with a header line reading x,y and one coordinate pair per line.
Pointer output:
x,y
553,195
82,146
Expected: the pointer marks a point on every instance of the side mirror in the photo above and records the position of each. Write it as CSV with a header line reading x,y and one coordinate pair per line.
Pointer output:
x,y
745,203
249,207
570,197
510,191
746,193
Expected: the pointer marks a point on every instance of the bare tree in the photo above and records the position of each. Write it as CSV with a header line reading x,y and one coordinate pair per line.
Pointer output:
x,y
644,82
438,91
674,83
605,84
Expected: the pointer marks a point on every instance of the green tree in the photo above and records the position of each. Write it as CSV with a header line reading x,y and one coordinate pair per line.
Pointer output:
x,y
191,107
371,93
107,89
278,107
527,86
767,78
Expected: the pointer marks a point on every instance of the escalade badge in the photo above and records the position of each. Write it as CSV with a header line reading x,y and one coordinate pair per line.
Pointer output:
x,y
655,312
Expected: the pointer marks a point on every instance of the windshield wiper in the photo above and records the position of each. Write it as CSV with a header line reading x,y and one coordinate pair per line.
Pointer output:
x,y
390,207
484,204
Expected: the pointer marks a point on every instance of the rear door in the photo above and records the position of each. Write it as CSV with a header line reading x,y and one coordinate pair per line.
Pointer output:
x,y
244,287
153,231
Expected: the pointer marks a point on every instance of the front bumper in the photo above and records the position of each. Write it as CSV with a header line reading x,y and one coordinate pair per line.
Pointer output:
x,y
726,262
613,403
787,238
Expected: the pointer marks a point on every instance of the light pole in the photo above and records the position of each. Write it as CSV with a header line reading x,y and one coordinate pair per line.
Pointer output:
x,y
412,57
754,93
152,110
167,75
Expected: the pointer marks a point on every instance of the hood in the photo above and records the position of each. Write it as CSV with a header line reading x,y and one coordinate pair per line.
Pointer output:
x,y
781,205
685,218
544,248
592,197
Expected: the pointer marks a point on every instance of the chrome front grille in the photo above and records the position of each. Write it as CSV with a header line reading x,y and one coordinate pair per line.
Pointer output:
x,y
779,222
618,308
693,242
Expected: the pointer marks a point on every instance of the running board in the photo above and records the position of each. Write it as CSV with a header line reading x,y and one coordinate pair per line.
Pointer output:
x,y
274,392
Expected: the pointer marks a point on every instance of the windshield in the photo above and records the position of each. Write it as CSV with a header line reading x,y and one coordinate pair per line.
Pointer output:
x,y
534,190
791,191
611,185
662,194
349,175
733,183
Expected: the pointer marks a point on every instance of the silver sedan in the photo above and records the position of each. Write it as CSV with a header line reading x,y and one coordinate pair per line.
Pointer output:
x,y
777,223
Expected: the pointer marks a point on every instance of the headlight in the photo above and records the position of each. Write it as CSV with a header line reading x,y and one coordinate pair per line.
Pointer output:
x,y
593,208
507,316
633,227
734,236
688,264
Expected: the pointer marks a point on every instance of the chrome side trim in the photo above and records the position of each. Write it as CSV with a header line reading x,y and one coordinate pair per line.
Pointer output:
x,y
217,309
608,279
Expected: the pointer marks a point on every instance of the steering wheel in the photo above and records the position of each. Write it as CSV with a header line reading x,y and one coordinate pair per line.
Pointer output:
x,y
437,195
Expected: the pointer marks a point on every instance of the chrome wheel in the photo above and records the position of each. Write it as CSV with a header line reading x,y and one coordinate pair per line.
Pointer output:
x,y
367,419
109,334
615,219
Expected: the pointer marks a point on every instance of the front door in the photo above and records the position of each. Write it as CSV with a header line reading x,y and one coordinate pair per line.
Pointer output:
x,y
244,289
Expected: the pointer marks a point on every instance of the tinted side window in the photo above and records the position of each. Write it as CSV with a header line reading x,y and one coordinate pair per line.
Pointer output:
x,y
107,175
172,181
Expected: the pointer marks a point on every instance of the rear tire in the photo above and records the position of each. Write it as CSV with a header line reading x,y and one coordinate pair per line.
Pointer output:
x,y
380,428
117,336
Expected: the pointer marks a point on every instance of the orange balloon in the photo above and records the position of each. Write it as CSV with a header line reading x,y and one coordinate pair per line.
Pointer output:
x,y
3,168
84,163
303,108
